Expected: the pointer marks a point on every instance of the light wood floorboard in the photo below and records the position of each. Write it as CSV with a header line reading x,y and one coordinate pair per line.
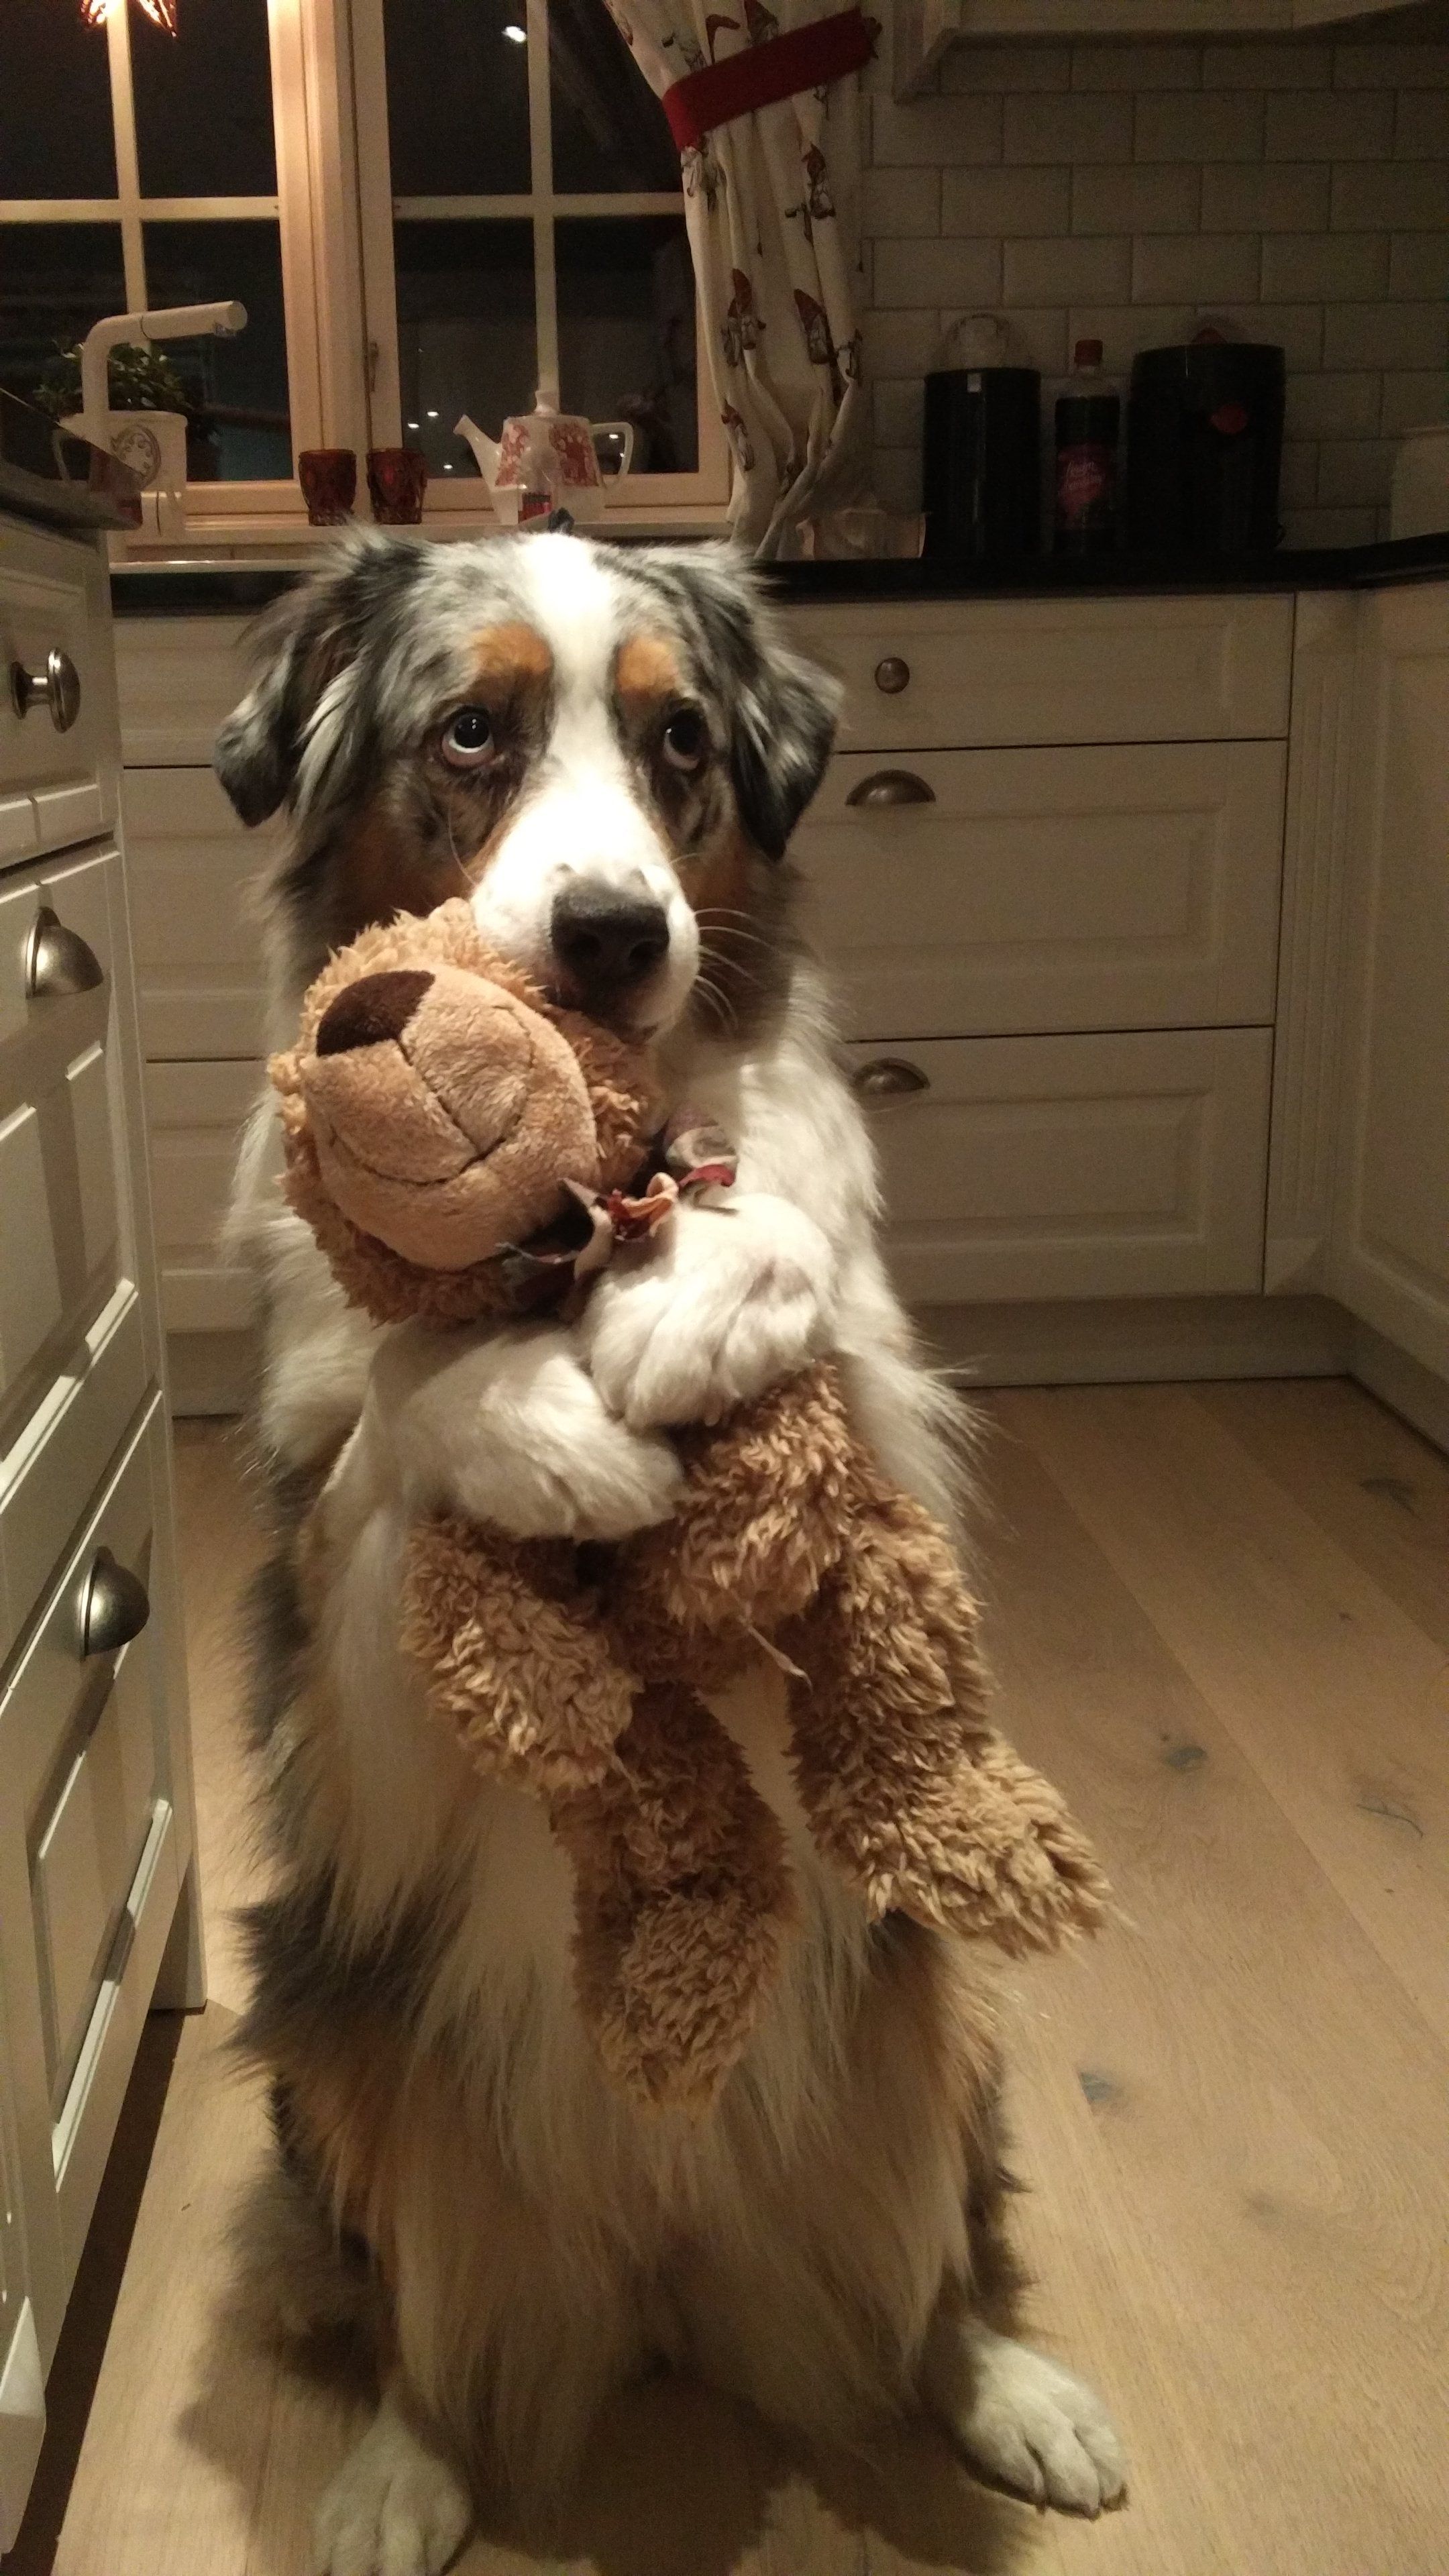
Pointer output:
x,y
1219,1623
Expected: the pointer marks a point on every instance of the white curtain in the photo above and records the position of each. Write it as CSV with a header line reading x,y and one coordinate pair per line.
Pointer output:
x,y
772,204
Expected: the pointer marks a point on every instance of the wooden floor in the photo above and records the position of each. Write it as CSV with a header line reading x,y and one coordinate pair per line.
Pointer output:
x,y
1220,1618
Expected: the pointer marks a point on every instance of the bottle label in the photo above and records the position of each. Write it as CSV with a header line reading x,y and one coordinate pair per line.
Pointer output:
x,y
1084,483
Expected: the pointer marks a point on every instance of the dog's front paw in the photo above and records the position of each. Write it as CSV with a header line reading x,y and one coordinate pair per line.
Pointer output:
x,y
393,2509
735,1302
1029,2425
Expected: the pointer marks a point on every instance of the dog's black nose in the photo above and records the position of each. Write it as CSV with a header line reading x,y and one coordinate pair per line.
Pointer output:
x,y
607,939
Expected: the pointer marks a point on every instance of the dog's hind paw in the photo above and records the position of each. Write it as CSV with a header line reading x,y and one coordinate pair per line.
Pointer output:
x,y
394,2508
1027,2424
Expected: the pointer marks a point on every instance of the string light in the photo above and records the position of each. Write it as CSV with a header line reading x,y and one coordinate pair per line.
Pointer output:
x,y
162,13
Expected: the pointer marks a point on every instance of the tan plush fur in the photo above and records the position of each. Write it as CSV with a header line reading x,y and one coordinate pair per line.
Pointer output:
x,y
577,1675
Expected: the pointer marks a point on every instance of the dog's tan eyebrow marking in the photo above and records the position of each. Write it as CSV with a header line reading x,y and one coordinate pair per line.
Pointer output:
x,y
509,658
647,672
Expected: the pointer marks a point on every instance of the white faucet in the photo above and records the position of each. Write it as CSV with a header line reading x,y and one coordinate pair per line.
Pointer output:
x,y
174,322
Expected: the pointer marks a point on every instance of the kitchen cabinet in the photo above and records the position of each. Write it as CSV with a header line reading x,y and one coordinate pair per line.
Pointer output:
x,y
928,30
97,1830
1389,1243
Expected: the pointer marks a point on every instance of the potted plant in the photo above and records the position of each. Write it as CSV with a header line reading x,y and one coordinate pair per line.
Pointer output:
x,y
147,420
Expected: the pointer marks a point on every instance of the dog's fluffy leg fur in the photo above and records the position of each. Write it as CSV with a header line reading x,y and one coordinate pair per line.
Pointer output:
x,y
1020,2419
395,2507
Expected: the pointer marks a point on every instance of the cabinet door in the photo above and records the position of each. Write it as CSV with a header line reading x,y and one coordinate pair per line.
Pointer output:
x,y
190,867
1389,1259
54,626
1073,1167
22,2381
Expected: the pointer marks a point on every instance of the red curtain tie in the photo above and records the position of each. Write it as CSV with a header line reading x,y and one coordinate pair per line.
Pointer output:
x,y
760,75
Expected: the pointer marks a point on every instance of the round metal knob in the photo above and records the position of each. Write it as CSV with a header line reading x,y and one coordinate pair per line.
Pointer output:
x,y
892,675
888,1077
57,687
892,787
115,1606
58,961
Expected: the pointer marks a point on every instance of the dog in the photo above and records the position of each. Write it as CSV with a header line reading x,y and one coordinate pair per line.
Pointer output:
x,y
606,750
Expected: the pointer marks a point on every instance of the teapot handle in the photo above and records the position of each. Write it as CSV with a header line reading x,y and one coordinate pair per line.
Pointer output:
x,y
625,430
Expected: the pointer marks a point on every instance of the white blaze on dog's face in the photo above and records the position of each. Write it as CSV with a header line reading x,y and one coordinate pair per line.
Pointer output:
x,y
604,748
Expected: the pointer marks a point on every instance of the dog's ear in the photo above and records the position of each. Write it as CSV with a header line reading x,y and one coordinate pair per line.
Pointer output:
x,y
784,726
302,648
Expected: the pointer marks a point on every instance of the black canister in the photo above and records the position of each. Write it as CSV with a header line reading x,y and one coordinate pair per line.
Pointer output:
x,y
981,463
1204,449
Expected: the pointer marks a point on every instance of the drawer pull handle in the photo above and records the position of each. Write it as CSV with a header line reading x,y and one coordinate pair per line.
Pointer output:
x,y
892,675
57,687
892,787
888,1077
57,961
115,1606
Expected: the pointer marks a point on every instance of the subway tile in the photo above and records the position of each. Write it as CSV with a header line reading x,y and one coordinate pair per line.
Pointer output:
x,y
1123,329
1267,66
1040,272
1419,264
1136,67
1338,268
1037,337
897,412
1199,125
1200,268
1298,482
1355,470
1402,196
1337,406
1000,68
1321,527
897,478
900,344
1413,399
1422,123
1326,125
937,272
1391,66
1006,201
1068,129
921,133
895,202
1265,197
1136,197
1385,335
1297,329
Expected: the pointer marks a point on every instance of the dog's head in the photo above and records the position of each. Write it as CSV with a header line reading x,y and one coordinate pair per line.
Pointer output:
x,y
605,749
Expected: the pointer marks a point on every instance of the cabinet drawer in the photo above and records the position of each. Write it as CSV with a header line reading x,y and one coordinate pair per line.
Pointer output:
x,y
1104,888
958,673
190,869
196,1113
61,1123
1114,1166
51,604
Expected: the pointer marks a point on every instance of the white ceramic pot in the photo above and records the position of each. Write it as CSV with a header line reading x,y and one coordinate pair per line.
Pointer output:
x,y
153,445
1419,498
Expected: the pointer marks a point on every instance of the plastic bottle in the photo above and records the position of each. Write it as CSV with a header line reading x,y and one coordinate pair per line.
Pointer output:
x,y
1088,424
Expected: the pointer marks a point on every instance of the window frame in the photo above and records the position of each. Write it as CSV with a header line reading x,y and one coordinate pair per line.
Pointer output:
x,y
703,492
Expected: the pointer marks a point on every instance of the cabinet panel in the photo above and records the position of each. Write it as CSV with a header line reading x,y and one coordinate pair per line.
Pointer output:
x,y
1054,671
1390,1252
196,1114
1127,1166
190,869
1107,888
47,607
177,677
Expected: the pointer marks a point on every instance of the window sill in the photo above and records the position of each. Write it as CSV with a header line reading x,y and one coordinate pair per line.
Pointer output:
x,y
284,537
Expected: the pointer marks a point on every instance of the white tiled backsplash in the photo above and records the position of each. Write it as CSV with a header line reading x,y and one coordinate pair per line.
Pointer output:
x,y
1123,192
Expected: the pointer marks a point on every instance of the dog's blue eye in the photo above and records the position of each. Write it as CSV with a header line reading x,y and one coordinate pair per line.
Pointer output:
x,y
468,737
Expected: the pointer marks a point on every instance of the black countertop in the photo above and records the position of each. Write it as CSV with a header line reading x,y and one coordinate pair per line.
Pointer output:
x,y
181,590
47,473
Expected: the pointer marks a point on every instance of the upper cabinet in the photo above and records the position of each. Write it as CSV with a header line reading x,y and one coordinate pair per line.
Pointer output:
x,y
928,29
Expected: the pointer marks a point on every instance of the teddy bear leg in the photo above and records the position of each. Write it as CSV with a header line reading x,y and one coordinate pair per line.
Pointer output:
x,y
514,1653
684,1900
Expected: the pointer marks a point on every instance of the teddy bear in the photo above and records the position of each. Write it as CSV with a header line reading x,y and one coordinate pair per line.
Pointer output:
x,y
466,1148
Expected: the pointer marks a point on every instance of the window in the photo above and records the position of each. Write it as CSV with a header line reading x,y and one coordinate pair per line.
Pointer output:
x,y
522,226
139,168
426,206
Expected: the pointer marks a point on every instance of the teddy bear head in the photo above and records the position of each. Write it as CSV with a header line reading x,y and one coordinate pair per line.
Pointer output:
x,y
438,1110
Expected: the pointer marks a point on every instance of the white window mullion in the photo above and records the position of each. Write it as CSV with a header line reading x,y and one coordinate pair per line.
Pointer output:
x,y
128,172
374,187
540,137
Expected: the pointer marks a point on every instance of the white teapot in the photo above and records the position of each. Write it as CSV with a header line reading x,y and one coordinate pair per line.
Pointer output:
x,y
546,460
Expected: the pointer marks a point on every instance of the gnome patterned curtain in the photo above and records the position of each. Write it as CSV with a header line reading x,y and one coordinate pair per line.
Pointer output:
x,y
772,205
